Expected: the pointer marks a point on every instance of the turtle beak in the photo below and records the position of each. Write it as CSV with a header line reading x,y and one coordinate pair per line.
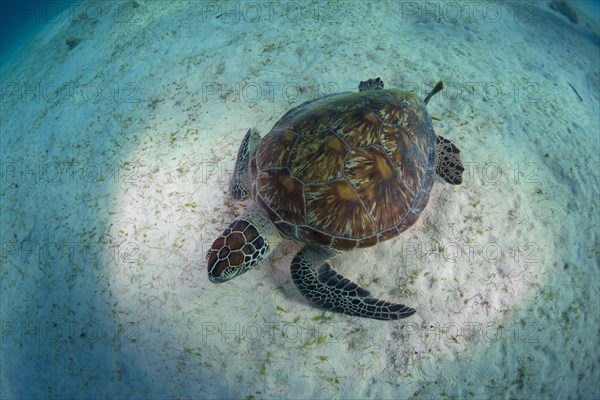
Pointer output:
x,y
220,271
215,272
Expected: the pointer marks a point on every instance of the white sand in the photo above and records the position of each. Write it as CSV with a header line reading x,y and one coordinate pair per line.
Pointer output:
x,y
114,187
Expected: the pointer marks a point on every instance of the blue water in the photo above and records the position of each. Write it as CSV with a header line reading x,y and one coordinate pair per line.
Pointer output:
x,y
593,7
21,20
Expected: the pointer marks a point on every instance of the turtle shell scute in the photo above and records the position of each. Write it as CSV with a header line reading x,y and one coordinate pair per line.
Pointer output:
x,y
347,170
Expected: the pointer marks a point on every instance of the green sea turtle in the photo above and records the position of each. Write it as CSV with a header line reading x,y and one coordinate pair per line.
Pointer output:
x,y
340,172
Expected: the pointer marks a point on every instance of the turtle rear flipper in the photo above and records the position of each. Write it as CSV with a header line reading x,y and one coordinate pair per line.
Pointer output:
x,y
239,186
449,164
323,286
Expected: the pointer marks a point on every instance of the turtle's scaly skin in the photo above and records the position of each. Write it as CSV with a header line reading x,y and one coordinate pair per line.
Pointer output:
x,y
347,170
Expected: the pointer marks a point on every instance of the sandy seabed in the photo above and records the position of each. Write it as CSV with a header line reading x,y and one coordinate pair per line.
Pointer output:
x,y
120,124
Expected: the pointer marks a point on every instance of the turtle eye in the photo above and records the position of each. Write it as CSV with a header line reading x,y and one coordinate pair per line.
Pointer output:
x,y
239,249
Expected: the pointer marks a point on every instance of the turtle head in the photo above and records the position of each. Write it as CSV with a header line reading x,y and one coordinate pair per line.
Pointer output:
x,y
241,247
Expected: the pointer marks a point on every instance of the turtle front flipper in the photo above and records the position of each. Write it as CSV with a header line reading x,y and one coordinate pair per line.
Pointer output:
x,y
239,186
323,286
449,164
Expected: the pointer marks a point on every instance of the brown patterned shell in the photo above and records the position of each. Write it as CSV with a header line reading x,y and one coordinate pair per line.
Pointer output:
x,y
347,170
